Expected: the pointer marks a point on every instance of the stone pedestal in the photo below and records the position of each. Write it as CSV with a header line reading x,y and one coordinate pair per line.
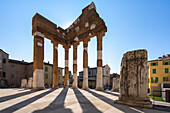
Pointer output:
x,y
24,83
133,80
30,83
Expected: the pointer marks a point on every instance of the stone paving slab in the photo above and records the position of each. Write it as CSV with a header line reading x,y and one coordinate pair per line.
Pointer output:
x,y
63,101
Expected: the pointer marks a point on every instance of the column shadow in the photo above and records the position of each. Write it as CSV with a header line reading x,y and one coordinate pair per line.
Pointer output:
x,y
85,104
114,94
25,102
57,105
6,98
118,106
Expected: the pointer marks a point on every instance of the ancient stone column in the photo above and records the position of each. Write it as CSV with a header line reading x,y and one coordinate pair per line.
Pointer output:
x,y
66,76
99,82
74,66
85,64
133,79
55,65
38,72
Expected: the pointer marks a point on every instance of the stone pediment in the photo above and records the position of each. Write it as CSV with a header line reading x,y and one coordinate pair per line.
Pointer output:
x,y
87,25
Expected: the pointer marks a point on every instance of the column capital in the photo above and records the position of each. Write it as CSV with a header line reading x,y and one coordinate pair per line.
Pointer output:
x,y
75,44
54,42
85,42
66,46
100,34
37,33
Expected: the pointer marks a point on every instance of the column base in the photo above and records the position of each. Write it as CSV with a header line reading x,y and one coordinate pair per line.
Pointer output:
x,y
55,87
99,89
74,87
85,88
66,86
143,104
38,88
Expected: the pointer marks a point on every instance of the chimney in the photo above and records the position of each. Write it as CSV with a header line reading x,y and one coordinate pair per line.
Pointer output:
x,y
48,62
23,61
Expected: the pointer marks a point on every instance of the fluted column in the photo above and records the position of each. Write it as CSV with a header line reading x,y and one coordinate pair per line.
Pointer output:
x,y
55,64
99,82
66,76
74,65
38,72
85,64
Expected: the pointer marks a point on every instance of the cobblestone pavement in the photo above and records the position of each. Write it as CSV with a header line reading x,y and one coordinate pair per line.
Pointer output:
x,y
63,101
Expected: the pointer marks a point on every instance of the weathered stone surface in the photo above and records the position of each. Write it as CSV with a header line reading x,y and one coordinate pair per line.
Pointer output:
x,y
116,84
23,83
30,83
133,80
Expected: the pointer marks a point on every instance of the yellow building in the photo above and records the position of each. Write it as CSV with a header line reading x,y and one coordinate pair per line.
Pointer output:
x,y
158,71
48,75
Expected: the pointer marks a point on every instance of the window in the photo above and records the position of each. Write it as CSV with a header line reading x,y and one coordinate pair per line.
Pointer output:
x,y
106,72
46,69
4,75
154,79
154,64
89,73
46,76
165,79
166,70
13,67
58,71
4,60
12,75
154,71
166,63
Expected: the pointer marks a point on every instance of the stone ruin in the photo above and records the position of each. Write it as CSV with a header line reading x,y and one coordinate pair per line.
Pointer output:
x,y
85,27
115,86
24,83
30,83
133,80
27,84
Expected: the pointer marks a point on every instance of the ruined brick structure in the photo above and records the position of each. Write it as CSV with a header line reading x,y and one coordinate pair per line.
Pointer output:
x,y
86,26
133,79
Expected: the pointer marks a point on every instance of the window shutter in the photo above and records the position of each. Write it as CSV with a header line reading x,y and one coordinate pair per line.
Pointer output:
x,y
148,80
151,64
151,79
156,79
163,62
169,62
163,78
156,63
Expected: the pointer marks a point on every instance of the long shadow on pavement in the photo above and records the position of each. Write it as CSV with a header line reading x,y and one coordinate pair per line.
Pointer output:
x,y
57,105
6,98
114,94
25,102
111,102
85,104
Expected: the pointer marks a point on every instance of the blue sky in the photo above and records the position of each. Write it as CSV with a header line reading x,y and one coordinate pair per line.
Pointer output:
x,y
132,24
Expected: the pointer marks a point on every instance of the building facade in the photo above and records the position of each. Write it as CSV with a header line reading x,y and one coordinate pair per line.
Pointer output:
x,y
158,71
92,74
13,71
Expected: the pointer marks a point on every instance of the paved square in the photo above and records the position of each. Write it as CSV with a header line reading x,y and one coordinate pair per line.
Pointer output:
x,y
63,101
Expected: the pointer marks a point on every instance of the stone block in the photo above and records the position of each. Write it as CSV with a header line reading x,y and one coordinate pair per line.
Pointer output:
x,y
30,83
24,83
133,79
